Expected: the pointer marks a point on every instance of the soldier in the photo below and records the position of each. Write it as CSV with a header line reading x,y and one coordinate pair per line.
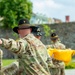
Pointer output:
x,y
31,52
37,32
56,44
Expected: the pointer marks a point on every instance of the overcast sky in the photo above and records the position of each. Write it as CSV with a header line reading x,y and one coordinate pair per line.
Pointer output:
x,y
55,8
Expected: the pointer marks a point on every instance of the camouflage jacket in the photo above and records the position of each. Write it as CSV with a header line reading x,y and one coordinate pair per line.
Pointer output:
x,y
32,54
57,45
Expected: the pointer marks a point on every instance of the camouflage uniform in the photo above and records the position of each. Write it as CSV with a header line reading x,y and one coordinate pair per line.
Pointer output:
x,y
32,56
60,70
57,45
11,69
1,55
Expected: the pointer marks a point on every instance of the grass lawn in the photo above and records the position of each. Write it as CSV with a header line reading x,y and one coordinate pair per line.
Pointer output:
x,y
7,61
70,65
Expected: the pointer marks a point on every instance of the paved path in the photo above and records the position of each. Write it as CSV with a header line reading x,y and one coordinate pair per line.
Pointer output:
x,y
70,72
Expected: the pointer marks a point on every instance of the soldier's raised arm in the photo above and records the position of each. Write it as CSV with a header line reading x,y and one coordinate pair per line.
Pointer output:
x,y
14,46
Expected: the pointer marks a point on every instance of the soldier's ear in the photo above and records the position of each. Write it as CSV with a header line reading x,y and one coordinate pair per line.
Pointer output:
x,y
18,30
31,29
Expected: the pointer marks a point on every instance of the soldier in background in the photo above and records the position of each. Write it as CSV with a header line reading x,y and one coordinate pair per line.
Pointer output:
x,y
58,45
37,32
56,42
31,52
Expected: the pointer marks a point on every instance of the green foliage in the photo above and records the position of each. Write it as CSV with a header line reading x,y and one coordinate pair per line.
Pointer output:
x,y
13,10
47,30
70,65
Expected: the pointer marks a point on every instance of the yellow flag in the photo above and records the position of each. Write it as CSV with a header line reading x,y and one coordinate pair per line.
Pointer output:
x,y
62,55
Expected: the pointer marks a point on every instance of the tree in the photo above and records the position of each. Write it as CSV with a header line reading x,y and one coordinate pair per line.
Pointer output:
x,y
47,30
13,10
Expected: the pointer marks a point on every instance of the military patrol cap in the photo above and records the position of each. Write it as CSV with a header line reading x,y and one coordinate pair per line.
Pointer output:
x,y
37,31
23,24
54,36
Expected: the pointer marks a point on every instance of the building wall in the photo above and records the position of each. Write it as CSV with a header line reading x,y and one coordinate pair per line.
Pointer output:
x,y
66,32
